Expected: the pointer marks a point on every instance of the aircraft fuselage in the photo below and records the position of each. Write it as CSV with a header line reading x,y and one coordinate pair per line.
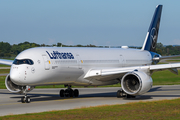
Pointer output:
x,y
61,65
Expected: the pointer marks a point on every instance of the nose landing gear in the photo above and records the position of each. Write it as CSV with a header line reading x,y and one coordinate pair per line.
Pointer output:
x,y
25,98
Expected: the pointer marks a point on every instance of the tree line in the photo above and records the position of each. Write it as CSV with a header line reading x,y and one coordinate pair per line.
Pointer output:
x,y
7,50
167,50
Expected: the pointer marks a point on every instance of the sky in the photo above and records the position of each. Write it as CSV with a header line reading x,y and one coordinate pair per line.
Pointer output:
x,y
97,22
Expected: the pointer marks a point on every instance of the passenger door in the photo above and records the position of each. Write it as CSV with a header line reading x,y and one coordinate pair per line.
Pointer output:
x,y
46,62
79,61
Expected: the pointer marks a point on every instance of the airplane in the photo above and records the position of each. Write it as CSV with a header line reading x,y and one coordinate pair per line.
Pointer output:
x,y
68,66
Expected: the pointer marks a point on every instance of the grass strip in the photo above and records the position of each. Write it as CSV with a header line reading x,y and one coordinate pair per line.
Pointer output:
x,y
1,65
176,58
2,71
162,63
164,109
165,78
2,82
173,60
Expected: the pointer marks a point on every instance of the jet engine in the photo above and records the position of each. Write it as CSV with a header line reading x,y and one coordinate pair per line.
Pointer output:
x,y
16,88
136,83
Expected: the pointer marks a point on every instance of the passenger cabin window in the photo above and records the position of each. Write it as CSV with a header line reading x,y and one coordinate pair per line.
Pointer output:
x,y
23,61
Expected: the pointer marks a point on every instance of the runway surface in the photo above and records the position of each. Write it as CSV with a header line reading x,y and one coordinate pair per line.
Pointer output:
x,y
48,99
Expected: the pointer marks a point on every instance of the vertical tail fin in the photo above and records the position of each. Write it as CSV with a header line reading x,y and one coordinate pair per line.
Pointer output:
x,y
152,34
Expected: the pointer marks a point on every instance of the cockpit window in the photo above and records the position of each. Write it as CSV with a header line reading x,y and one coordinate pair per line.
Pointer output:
x,y
23,61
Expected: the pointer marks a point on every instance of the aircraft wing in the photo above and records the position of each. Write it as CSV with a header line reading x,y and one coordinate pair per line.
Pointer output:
x,y
118,73
6,62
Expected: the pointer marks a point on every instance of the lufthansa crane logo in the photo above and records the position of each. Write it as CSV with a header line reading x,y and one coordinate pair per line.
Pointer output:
x,y
153,37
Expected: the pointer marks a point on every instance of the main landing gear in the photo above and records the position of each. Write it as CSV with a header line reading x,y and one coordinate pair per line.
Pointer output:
x,y
121,93
69,92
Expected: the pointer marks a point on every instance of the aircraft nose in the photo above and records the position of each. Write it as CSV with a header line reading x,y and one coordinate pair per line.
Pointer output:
x,y
15,76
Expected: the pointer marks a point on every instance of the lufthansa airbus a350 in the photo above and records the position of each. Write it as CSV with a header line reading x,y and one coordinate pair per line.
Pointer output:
x,y
89,67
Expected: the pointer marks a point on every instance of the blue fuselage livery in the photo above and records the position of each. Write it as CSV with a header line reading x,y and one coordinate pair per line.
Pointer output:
x,y
60,55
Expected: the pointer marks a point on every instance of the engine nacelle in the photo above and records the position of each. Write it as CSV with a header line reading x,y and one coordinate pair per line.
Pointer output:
x,y
16,88
136,83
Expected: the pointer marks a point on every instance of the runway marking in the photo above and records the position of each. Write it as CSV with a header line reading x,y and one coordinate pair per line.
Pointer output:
x,y
9,104
45,101
62,99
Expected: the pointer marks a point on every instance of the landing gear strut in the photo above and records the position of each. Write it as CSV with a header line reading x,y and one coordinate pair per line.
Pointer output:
x,y
25,98
121,93
69,92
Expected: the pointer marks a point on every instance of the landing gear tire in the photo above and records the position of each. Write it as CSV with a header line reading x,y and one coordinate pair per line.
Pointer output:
x,y
71,93
23,100
76,93
66,93
28,100
61,93
120,93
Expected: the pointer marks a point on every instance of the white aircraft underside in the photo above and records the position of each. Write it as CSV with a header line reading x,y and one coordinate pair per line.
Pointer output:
x,y
89,67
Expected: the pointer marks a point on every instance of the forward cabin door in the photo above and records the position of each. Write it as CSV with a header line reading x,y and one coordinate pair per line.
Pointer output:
x,y
79,61
46,62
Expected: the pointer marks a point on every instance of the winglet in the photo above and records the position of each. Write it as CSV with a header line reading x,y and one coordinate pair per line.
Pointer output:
x,y
152,34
